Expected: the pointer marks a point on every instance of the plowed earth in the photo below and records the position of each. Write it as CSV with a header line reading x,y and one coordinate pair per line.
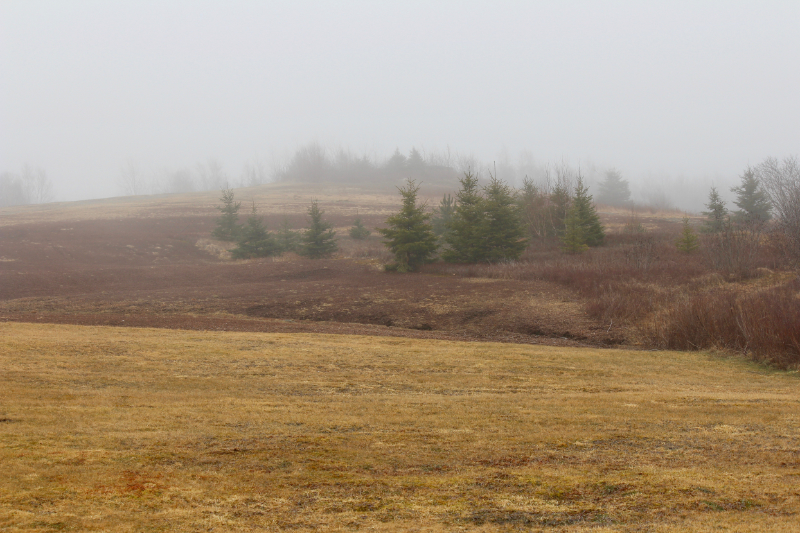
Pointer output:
x,y
162,271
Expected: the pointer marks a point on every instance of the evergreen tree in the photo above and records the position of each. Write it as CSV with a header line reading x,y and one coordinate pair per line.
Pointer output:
x,y
443,215
465,232
288,239
591,229
254,239
397,161
319,240
358,231
228,226
504,235
751,199
717,213
688,241
559,206
530,203
409,234
573,239
415,161
614,190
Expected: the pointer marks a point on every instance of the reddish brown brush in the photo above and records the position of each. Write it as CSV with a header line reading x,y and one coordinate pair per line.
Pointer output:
x,y
765,324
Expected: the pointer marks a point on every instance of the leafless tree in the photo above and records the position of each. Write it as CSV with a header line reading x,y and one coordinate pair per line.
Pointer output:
x,y
131,180
781,180
211,175
38,185
735,249
12,190
254,173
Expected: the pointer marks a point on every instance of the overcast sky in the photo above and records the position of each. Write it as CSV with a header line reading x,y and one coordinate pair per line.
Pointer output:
x,y
695,89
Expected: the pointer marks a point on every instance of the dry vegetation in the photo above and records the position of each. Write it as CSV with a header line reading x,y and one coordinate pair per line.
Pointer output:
x,y
149,261
659,297
155,430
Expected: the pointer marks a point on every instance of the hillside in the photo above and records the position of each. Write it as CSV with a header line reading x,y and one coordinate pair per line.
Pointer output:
x,y
149,261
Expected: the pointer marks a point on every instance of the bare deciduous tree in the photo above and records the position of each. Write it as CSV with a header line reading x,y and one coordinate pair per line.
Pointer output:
x,y
38,185
735,248
12,190
131,180
254,173
781,181
211,175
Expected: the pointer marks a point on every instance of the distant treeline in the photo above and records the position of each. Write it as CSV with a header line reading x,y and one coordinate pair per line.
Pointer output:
x,y
29,186
315,164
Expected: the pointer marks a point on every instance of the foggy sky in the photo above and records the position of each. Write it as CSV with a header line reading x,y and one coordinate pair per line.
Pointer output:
x,y
692,89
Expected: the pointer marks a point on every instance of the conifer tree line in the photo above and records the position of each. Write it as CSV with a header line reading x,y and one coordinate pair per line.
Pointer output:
x,y
733,238
480,224
752,200
562,209
253,239
494,222
491,223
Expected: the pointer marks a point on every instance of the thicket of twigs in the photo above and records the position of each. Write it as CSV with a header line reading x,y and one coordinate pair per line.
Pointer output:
x,y
737,292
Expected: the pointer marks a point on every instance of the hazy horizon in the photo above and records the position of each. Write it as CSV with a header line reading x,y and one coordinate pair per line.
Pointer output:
x,y
689,92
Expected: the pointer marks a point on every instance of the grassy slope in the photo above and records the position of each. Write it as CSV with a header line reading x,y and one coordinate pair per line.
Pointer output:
x,y
140,430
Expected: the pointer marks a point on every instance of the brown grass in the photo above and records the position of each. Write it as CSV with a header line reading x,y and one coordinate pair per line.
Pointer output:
x,y
107,429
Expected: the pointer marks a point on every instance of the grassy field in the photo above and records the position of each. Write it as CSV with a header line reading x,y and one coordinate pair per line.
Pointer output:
x,y
124,429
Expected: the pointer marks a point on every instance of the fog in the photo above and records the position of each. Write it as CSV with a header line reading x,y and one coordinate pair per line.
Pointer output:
x,y
675,95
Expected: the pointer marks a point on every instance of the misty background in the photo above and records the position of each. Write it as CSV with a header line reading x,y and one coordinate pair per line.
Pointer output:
x,y
190,94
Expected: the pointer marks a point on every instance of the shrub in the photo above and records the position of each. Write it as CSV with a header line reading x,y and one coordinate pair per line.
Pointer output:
x,y
764,324
358,231
688,241
734,248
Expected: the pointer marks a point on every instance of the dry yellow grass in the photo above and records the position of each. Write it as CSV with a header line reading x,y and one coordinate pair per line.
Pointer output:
x,y
107,429
270,198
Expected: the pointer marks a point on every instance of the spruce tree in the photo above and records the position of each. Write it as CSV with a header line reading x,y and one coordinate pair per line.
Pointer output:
x,y
254,239
688,241
717,213
614,190
442,215
559,206
358,231
288,239
415,162
465,232
573,239
319,240
409,234
591,229
531,203
504,235
751,199
228,226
